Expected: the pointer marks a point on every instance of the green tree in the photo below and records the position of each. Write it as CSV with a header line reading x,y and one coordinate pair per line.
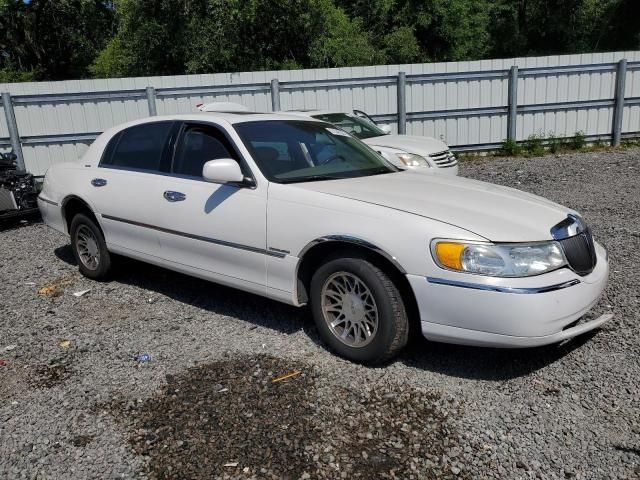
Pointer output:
x,y
401,46
545,27
52,39
342,42
150,39
444,29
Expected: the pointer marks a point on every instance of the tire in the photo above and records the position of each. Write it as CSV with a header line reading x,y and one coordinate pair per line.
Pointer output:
x,y
333,288
89,248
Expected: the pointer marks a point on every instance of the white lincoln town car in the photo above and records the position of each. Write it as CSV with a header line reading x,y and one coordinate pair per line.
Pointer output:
x,y
299,211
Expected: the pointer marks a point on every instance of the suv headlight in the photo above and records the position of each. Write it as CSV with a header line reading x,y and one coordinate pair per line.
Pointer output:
x,y
413,160
499,260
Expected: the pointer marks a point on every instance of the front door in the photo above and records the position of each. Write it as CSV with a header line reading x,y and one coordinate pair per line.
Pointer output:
x,y
214,228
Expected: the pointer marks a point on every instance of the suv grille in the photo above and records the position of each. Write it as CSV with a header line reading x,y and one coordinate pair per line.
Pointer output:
x,y
580,252
444,159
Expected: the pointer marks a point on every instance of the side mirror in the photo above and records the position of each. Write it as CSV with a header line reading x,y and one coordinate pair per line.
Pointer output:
x,y
224,170
386,129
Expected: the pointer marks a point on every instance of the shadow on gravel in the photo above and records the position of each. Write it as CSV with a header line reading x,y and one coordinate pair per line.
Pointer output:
x,y
452,360
208,296
230,419
14,223
486,363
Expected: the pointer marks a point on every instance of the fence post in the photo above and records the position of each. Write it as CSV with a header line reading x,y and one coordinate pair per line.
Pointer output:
x,y
151,101
512,115
402,103
12,126
618,109
275,95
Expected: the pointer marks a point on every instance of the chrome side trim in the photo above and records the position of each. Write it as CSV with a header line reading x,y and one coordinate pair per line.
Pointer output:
x,y
279,250
47,201
495,288
355,241
215,241
569,227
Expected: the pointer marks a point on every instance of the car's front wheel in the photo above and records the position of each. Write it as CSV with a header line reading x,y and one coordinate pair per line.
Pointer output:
x,y
358,309
89,248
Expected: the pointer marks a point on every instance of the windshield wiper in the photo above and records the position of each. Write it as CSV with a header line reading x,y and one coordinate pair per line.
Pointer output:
x,y
310,178
380,171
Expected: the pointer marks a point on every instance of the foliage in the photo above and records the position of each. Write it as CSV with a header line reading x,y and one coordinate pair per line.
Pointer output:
x,y
9,75
401,46
556,144
343,43
59,39
52,39
509,148
578,141
538,145
534,145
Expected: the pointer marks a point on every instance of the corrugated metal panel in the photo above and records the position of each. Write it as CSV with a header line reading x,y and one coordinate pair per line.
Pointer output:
x,y
467,109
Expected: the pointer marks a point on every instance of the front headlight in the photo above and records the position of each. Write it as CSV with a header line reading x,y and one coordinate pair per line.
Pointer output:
x,y
499,260
413,160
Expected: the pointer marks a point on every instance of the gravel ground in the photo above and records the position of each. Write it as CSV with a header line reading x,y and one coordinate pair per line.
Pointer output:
x,y
79,398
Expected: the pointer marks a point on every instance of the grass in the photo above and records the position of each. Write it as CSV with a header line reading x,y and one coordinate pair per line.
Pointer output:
x,y
537,145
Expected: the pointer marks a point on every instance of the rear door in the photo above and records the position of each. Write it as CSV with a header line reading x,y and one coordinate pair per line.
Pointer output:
x,y
215,228
127,179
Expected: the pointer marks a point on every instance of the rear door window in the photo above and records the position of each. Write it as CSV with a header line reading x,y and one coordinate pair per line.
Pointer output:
x,y
142,147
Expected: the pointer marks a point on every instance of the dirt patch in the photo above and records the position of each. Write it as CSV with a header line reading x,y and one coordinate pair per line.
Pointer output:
x,y
51,375
82,441
231,420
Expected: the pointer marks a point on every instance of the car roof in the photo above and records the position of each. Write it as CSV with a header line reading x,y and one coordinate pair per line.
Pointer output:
x,y
312,113
229,117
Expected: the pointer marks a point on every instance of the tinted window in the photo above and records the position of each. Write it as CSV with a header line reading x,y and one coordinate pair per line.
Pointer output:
x,y
290,151
197,146
140,147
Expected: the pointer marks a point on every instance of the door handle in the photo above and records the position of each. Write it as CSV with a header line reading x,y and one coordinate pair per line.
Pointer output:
x,y
98,182
174,196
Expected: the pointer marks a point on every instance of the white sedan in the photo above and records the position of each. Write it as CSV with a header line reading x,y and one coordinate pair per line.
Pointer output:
x,y
404,151
301,212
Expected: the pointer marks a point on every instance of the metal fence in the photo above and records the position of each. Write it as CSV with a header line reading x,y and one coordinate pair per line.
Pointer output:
x,y
473,106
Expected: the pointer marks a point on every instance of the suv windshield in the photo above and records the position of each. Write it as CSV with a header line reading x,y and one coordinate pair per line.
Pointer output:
x,y
289,151
356,126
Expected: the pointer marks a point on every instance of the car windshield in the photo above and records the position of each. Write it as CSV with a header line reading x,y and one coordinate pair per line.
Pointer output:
x,y
290,151
356,126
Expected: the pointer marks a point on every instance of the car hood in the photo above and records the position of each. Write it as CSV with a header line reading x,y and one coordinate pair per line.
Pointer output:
x,y
499,214
409,143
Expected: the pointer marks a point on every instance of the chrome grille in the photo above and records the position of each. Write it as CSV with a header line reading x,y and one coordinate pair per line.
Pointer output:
x,y
444,159
580,252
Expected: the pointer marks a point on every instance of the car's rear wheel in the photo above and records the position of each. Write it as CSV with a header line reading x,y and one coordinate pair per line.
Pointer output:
x,y
89,248
358,309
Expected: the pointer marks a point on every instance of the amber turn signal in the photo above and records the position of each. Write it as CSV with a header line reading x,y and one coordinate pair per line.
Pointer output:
x,y
448,254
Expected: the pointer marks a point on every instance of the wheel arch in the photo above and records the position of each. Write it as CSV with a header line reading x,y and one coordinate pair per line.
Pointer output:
x,y
71,205
313,254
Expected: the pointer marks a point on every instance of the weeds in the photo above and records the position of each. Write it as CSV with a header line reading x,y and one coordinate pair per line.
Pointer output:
x,y
537,145
509,148
534,145
578,141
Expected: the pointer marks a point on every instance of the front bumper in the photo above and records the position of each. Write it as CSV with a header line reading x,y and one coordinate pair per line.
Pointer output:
x,y
453,170
509,312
